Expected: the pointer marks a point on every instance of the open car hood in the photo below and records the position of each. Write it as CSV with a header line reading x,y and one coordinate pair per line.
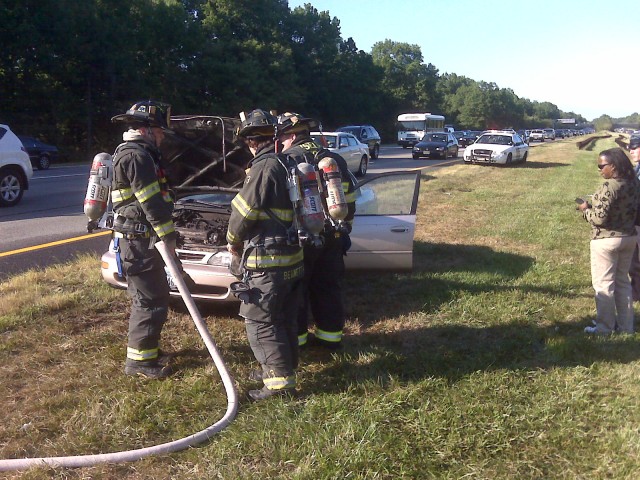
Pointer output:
x,y
203,150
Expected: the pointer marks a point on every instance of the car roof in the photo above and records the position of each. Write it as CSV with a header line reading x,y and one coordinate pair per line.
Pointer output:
x,y
500,132
331,133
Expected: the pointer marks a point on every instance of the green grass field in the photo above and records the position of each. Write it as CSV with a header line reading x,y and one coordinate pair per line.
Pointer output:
x,y
474,365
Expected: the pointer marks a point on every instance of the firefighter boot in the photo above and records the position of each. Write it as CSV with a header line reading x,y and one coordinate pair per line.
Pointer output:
x,y
164,358
153,370
264,393
317,342
256,375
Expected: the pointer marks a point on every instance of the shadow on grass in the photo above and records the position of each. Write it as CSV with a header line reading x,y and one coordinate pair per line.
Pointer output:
x,y
529,164
453,352
371,298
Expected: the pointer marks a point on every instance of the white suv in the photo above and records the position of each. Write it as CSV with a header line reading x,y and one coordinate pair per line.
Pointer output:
x,y
15,168
536,135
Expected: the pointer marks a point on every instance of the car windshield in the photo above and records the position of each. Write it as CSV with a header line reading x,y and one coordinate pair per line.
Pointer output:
x,y
434,137
212,199
410,126
495,139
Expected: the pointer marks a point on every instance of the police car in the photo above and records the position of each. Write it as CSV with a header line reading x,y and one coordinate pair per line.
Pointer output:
x,y
495,147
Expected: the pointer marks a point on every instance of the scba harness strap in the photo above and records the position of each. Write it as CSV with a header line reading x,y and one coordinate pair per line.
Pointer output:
x,y
127,228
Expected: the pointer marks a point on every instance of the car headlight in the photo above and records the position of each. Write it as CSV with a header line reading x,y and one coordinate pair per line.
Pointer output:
x,y
440,149
498,154
220,259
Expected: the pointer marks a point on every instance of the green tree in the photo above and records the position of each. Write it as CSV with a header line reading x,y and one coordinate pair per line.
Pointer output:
x,y
603,122
248,59
545,113
447,87
410,83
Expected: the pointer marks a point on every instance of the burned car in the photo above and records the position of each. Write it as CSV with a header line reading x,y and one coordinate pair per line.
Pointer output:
x,y
206,166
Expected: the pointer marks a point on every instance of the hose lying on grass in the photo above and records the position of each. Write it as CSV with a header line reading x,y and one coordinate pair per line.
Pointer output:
x,y
176,445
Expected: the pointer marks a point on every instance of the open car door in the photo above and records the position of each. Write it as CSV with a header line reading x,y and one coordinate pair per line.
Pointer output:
x,y
385,222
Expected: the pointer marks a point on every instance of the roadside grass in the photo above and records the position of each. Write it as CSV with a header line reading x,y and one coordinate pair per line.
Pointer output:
x,y
472,365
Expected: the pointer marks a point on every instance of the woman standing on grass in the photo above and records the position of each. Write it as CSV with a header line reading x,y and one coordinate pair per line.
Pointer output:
x,y
612,217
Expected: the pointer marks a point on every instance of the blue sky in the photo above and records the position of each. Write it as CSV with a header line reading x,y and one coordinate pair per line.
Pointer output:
x,y
583,56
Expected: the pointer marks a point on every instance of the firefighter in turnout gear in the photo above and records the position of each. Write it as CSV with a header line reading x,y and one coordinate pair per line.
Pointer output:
x,y
260,237
323,293
142,214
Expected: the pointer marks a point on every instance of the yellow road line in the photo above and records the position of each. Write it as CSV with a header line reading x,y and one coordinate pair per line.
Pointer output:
x,y
52,244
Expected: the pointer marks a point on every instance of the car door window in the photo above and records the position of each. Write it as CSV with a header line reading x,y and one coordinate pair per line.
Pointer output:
x,y
384,224
352,141
393,193
344,142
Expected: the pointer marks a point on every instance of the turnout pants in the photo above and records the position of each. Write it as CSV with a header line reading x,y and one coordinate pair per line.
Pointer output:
x,y
270,320
149,292
323,292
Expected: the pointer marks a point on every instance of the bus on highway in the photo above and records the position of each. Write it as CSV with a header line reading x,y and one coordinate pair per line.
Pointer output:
x,y
412,127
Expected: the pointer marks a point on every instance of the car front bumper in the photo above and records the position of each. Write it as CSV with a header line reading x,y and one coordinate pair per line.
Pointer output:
x,y
212,282
431,153
480,155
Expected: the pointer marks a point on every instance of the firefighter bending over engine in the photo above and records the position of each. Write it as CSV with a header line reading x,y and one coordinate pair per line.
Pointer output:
x,y
260,237
323,262
142,214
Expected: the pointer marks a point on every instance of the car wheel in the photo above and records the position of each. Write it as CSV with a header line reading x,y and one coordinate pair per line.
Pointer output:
x,y
415,157
524,158
43,162
456,154
362,169
509,159
376,151
11,188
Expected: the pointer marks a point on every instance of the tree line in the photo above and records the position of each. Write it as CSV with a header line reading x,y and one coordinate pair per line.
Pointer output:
x,y
68,66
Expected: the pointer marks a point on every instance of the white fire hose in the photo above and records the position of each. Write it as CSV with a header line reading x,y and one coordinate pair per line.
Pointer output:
x,y
176,445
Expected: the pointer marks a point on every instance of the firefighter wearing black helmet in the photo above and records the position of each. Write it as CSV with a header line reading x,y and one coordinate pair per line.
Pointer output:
x,y
258,236
323,295
142,214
